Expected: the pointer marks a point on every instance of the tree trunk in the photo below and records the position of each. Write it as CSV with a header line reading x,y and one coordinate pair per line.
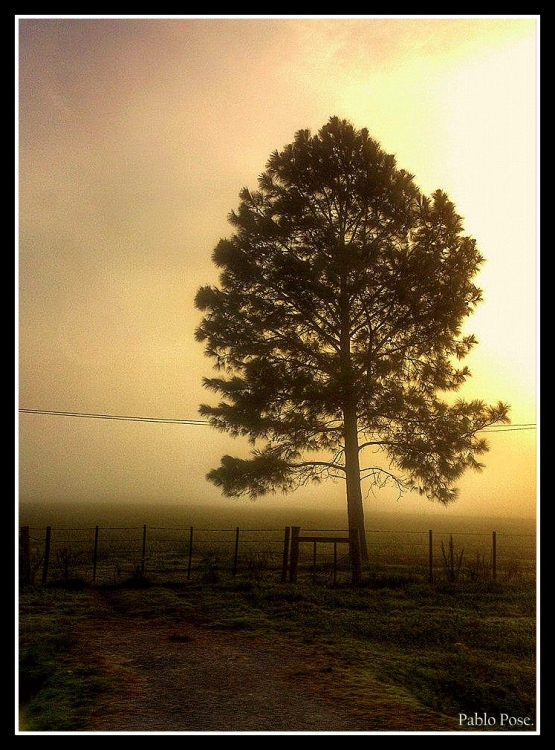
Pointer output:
x,y
355,509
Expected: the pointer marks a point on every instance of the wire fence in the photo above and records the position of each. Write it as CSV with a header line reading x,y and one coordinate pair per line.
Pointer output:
x,y
114,555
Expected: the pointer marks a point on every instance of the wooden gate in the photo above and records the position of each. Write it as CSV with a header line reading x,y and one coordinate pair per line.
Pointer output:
x,y
293,539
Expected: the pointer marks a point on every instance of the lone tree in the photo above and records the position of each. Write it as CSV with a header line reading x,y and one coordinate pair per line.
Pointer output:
x,y
337,325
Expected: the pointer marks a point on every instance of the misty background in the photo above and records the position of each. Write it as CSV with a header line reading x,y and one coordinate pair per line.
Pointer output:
x,y
135,136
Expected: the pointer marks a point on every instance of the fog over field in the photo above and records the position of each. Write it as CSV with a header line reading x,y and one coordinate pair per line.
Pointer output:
x,y
254,515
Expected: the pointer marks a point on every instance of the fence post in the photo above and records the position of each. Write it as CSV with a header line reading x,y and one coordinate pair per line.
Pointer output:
x,y
143,554
314,561
236,555
494,554
46,553
285,554
431,554
24,556
190,553
95,553
354,546
295,532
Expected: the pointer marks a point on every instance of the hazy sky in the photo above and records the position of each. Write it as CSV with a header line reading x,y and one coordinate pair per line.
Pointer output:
x,y
135,138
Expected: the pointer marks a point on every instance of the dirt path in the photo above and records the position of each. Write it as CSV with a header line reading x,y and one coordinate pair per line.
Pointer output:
x,y
193,679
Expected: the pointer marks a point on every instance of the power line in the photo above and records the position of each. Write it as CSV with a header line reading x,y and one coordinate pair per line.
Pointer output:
x,y
202,422
121,417
510,428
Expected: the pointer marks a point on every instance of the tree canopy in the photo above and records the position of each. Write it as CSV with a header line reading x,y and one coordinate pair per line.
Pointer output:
x,y
336,328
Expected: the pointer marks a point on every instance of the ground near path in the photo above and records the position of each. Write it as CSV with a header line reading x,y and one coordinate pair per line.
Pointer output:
x,y
189,678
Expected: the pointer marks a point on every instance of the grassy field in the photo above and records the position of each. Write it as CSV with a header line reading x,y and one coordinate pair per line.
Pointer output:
x,y
457,648
462,645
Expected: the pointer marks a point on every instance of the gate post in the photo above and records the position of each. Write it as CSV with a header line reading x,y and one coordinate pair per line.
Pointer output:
x,y
236,553
285,558
295,532
354,547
